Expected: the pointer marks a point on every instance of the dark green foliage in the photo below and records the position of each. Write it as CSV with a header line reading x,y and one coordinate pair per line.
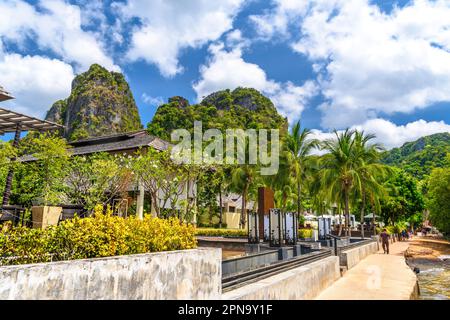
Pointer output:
x,y
404,200
438,198
242,108
100,103
419,157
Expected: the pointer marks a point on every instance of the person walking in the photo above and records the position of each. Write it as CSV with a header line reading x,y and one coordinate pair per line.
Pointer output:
x,y
385,241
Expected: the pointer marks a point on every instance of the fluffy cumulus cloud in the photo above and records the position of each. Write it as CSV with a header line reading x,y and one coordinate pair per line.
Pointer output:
x,y
56,26
392,135
226,68
388,134
369,61
277,21
169,26
36,82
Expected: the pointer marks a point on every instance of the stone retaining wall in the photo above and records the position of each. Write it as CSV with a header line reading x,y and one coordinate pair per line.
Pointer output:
x,y
304,282
350,258
184,274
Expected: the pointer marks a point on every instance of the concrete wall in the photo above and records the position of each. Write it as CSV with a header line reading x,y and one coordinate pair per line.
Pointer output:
x,y
304,282
352,257
185,274
232,219
245,263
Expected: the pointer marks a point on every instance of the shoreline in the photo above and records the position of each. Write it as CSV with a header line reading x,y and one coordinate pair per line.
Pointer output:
x,y
426,255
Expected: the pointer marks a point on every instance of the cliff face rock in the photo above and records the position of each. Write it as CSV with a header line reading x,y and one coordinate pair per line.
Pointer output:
x,y
244,108
100,103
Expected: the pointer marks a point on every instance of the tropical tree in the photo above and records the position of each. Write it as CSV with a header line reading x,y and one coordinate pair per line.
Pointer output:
x,y
7,154
243,179
339,169
299,144
438,197
47,172
96,179
165,180
370,171
404,198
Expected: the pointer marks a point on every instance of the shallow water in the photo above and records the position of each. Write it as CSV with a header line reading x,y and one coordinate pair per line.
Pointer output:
x,y
434,280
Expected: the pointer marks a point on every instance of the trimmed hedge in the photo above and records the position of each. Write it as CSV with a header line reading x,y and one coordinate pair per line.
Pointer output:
x,y
102,235
239,233
212,232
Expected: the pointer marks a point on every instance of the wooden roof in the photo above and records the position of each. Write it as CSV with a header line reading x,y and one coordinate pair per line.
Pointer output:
x,y
10,119
118,142
4,95
121,142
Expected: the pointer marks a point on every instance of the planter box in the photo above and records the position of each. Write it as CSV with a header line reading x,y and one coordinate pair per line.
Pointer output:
x,y
44,216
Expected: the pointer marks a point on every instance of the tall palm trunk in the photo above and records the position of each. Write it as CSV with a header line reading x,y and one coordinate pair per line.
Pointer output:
x,y
340,223
244,205
299,193
220,203
363,195
347,213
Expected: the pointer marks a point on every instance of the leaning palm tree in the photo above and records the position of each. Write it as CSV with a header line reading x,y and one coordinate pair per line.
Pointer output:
x,y
340,169
299,145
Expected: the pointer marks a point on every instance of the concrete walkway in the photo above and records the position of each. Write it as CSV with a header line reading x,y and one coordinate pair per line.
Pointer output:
x,y
377,277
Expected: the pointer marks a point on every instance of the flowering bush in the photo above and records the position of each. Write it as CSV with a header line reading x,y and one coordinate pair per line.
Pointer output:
x,y
102,235
305,233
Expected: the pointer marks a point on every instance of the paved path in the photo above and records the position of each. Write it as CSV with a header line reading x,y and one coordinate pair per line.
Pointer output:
x,y
377,277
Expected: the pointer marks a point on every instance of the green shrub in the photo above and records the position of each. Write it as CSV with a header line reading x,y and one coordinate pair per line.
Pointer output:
x,y
211,232
305,233
102,235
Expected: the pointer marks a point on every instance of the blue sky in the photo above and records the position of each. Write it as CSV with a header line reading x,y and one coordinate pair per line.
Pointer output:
x,y
382,66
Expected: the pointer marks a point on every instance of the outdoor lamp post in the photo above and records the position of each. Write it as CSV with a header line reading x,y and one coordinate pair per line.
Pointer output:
x,y
253,227
276,228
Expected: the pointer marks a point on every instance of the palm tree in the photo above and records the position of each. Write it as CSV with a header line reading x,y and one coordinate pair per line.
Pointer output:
x,y
340,169
243,179
298,146
371,171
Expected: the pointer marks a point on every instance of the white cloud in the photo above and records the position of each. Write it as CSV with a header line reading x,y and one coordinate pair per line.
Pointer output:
x,y
153,101
170,26
369,61
278,20
227,69
53,25
389,134
36,82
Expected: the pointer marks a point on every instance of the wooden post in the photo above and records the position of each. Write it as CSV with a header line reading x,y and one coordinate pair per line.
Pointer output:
x,y
265,203
9,177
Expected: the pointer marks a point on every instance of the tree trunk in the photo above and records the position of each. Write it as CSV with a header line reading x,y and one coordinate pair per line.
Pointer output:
x,y
362,213
347,214
340,223
244,206
299,194
220,203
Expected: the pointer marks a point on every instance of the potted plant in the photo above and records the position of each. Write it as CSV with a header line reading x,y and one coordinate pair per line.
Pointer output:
x,y
51,163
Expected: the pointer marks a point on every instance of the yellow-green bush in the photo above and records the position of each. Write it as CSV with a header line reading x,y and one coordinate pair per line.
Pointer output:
x,y
212,232
102,235
305,233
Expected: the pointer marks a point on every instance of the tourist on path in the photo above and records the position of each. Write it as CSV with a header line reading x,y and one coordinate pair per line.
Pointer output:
x,y
385,241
